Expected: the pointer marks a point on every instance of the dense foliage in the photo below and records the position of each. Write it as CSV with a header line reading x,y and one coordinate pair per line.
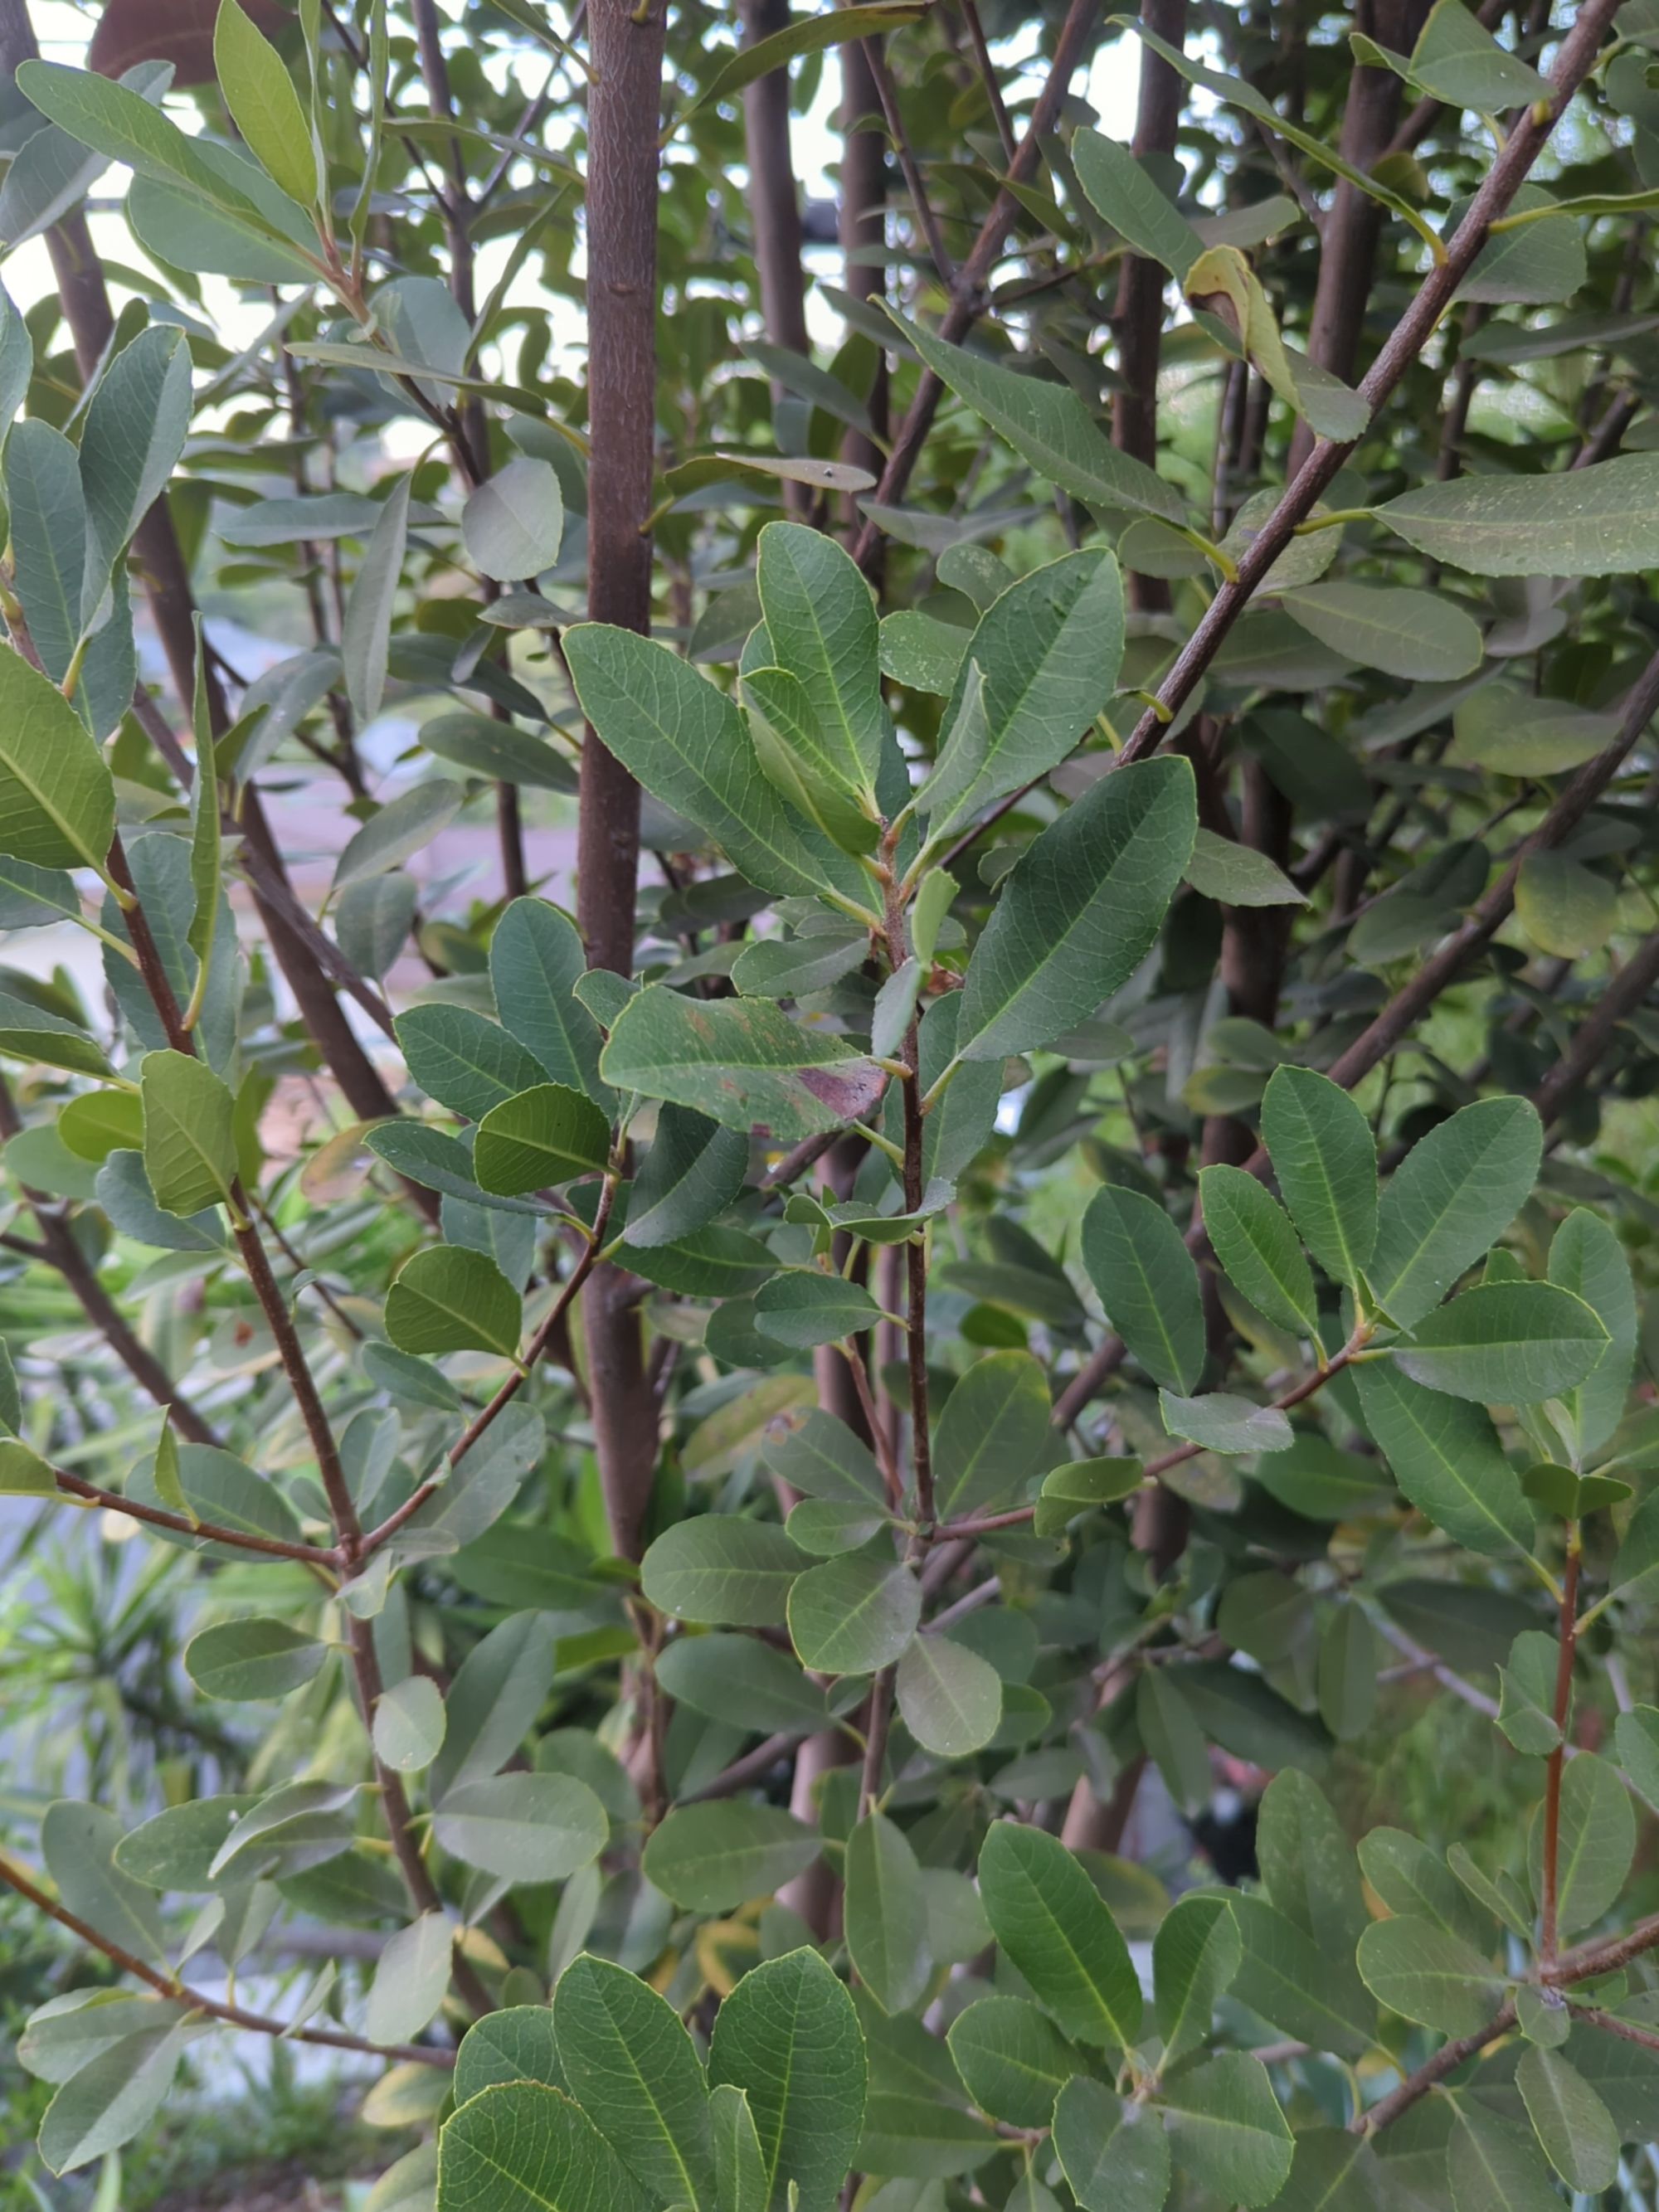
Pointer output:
x,y
663,1487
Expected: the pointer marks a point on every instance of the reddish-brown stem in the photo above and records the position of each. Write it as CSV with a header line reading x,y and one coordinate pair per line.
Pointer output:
x,y
419,2054
1569,1636
208,1532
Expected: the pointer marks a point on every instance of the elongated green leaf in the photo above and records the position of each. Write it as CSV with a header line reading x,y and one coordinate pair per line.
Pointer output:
x,y
1149,223
135,431
686,743
1257,1246
821,1456
446,1299
1572,2124
628,2060
1049,650
1226,2129
1597,521
190,1140
523,1828
1238,875
1079,911
49,541
740,1680
1325,1157
1047,1916
400,828
693,1171
820,620
1453,1196
516,2044
1046,424
711,1857
1196,1954
1505,1344
804,34
494,1700
513,523
854,1615
1492,2167
1509,730
252,1659
734,1573
789,2038
1147,1283
1597,1842
112,2097
742,1062
809,1305
993,1433
949,1697
1423,1972
78,1842
1115,2156
1012,2059
1419,636
1586,1258
526,2147
886,1914
1447,1459
366,633
1306,1991
544,1136
468,1064
409,1724
536,959
1565,908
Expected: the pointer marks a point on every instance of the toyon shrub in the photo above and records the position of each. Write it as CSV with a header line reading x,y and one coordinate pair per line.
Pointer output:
x,y
811,1352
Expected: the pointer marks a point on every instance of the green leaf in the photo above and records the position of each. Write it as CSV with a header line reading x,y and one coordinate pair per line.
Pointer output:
x,y
1565,908
498,750
1124,191
1195,1954
1049,650
854,1615
743,1062
49,539
252,1659
447,1300
497,1693
1587,1259
1423,1973
1226,2129
410,1979
821,1456
1146,1280
742,1681
692,1172
512,524
803,765
1492,2167
1332,2172
1221,1422
1047,425
920,652
807,1306
190,1140
1115,2156
409,1724
1573,2126
886,1914
399,828
1238,875
993,1434
630,2062
1307,1992
77,1842
536,959
1012,2059
1420,636
1512,732
136,427
789,2036
1505,1344
1173,1740
1255,1243
1325,1157
1447,1459
1636,1736
1079,1485
820,620
543,1136
740,2167
57,799
1452,1197
366,633
1457,59
1409,1877
949,1697
523,1828
1079,911
112,2097
514,2045
467,1063
1350,1660
525,2147
1597,1844
722,1570
804,35
1602,520
1047,1914
685,742
264,105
